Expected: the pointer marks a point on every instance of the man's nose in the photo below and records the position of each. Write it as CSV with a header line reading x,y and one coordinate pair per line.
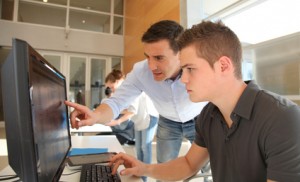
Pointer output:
x,y
151,64
183,78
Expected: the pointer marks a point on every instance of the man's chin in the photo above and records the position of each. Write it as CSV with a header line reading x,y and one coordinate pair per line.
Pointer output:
x,y
159,78
193,99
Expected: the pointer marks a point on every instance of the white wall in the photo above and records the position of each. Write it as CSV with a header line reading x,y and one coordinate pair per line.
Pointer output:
x,y
55,39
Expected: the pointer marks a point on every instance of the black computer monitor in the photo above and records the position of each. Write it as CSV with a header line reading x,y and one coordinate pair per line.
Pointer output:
x,y
36,118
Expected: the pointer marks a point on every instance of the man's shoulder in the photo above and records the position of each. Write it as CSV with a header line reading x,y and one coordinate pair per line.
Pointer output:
x,y
142,71
209,110
276,101
140,65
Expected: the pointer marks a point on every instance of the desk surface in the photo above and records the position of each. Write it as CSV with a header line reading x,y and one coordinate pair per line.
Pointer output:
x,y
94,128
103,141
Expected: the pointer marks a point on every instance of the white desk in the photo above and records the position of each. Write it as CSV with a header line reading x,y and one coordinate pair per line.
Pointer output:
x,y
102,141
96,128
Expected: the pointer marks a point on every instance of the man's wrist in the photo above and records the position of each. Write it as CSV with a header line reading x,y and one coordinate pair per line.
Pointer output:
x,y
96,117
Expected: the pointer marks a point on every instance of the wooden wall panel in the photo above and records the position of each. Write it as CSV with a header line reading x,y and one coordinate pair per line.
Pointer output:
x,y
139,15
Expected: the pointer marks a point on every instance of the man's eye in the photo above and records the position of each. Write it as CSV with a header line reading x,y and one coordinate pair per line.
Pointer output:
x,y
158,58
189,69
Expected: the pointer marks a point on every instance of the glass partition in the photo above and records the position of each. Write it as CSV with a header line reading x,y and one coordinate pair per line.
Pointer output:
x,y
89,21
6,9
91,15
96,5
116,63
53,60
44,14
118,7
97,80
59,2
77,79
118,25
276,65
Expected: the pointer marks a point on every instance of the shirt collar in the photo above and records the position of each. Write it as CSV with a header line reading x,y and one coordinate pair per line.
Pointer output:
x,y
177,77
246,102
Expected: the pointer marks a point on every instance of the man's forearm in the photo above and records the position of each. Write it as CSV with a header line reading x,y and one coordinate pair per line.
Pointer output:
x,y
104,114
174,170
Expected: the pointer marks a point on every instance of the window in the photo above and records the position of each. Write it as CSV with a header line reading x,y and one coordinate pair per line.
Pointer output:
x,y
77,79
100,16
6,9
45,14
118,8
92,21
116,63
100,6
54,60
87,74
98,73
118,25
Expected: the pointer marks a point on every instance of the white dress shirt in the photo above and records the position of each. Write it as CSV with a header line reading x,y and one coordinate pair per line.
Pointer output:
x,y
169,97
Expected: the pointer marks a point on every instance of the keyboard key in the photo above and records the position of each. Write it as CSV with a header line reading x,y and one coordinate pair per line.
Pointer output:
x,y
97,173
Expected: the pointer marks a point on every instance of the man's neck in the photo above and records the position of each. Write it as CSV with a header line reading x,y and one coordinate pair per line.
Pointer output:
x,y
176,75
232,94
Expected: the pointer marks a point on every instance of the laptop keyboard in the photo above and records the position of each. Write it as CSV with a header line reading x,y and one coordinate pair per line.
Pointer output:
x,y
97,173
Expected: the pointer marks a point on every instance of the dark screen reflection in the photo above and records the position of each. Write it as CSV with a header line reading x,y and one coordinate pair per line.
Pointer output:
x,y
49,113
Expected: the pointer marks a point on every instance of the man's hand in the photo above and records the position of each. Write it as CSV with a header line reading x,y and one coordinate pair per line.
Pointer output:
x,y
133,166
81,116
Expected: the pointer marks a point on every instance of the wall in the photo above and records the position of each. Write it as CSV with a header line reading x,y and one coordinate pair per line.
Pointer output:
x,y
54,39
139,15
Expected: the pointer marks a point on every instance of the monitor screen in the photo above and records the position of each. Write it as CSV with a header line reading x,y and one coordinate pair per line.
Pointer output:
x,y
36,118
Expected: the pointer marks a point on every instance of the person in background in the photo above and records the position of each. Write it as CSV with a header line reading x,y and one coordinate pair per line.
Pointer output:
x,y
159,77
249,134
80,98
122,126
145,124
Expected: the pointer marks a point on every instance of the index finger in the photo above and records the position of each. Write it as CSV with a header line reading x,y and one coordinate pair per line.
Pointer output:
x,y
72,104
78,109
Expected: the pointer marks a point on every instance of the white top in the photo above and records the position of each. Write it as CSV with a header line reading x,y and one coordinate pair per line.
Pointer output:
x,y
142,107
169,97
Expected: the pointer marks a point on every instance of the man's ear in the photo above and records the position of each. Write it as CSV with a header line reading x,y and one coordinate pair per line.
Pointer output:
x,y
225,64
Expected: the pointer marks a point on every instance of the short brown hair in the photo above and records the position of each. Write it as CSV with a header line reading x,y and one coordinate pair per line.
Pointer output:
x,y
164,30
212,41
114,76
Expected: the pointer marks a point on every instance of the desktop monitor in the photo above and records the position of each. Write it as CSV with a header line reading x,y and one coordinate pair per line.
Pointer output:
x,y
36,118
